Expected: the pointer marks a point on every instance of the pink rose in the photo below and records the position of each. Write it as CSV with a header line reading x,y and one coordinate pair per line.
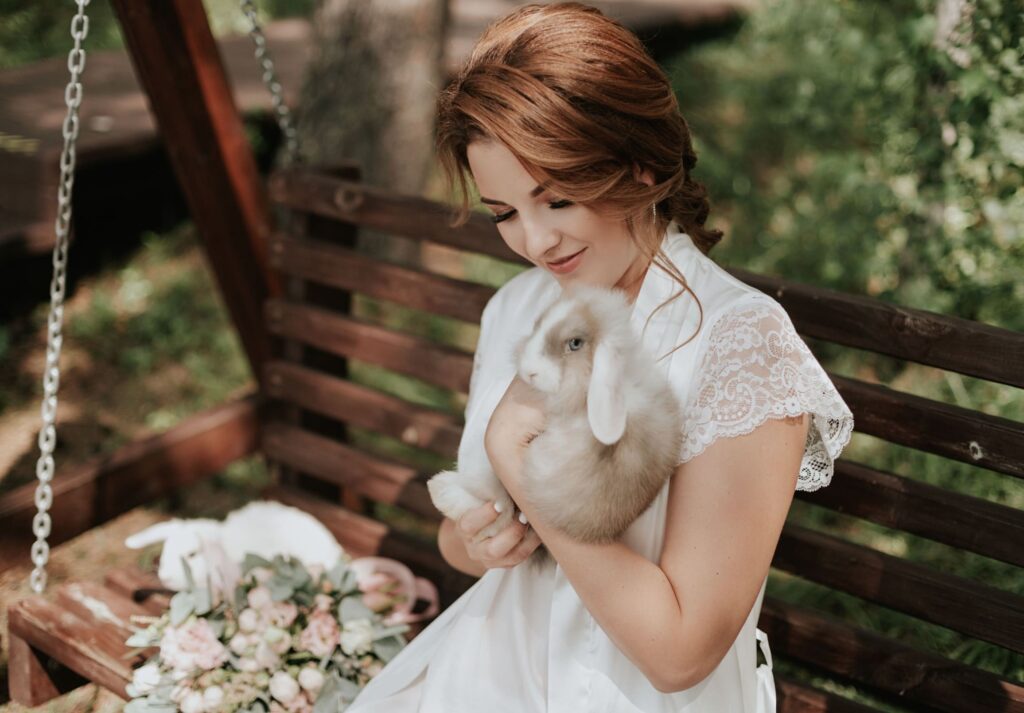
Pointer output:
x,y
281,614
192,645
321,634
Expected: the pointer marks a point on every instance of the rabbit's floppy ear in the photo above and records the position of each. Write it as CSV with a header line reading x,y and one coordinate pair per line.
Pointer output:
x,y
606,399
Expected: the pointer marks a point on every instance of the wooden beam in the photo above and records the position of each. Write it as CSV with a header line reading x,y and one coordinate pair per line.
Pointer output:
x,y
85,496
179,66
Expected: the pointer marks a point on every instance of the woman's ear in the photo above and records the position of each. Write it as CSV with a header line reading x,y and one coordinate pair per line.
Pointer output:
x,y
643,175
606,399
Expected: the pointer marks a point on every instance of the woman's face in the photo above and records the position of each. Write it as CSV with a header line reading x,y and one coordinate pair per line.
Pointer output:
x,y
543,228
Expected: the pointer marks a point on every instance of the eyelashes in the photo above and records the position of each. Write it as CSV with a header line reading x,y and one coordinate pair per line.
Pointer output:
x,y
508,214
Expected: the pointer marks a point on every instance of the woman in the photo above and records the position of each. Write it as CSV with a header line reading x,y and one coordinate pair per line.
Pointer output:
x,y
574,139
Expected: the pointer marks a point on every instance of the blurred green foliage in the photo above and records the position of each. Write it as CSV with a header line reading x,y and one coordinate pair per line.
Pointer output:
x,y
846,146
31,31
877,148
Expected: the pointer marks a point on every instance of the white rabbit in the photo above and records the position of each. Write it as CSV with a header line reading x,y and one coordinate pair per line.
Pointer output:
x,y
613,429
263,528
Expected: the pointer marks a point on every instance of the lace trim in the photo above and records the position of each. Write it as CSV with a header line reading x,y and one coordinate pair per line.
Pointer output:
x,y
756,367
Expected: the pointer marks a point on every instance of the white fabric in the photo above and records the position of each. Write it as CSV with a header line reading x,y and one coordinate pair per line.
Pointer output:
x,y
519,640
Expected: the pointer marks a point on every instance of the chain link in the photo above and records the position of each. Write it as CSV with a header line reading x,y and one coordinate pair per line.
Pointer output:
x,y
281,111
41,523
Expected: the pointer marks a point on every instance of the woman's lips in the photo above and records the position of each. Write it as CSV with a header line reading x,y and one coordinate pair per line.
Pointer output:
x,y
567,266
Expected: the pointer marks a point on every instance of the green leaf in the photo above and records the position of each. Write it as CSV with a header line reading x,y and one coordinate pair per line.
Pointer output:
x,y
252,561
181,606
387,649
353,608
390,631
202,601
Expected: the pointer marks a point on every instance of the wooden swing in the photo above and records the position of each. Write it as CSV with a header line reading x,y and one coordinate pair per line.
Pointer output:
x,y
289,295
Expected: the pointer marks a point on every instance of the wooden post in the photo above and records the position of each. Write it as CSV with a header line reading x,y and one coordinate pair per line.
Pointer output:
x,y
177,62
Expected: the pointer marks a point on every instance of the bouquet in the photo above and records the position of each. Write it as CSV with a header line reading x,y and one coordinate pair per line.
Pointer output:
x,y
274,636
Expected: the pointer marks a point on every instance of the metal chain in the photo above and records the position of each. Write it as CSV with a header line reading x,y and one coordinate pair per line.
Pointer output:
x,y
41,523
281,111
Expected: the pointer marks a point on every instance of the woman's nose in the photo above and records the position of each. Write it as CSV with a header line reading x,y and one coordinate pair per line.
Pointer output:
x,y
540,239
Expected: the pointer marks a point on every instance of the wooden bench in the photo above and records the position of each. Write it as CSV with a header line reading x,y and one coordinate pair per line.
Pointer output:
x,y
353,454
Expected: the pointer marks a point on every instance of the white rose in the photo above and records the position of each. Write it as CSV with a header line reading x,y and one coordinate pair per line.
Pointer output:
x,y
266,657
144,680
357,637
213,696
239,643
248,620
279,639
283,687
193,703
259,598
311,679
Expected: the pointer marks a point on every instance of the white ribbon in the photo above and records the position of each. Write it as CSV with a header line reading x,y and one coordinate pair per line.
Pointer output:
x,y
766,701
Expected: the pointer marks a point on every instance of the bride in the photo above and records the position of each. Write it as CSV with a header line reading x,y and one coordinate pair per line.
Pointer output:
x,y
574,140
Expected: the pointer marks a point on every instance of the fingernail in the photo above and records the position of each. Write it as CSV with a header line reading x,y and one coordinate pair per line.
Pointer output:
x,y
497,506
522,517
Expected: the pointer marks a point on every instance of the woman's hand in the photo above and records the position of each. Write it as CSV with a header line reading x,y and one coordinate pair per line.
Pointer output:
x,y
517,419
506,549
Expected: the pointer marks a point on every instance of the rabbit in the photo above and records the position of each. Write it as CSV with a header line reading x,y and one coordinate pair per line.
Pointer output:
x,y
613,433
263,528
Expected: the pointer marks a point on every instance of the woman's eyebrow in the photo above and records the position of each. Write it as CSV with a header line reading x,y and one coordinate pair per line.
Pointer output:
x,y
533,194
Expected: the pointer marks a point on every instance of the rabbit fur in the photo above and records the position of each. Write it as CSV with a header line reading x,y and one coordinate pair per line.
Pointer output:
x,y
264,528
613,429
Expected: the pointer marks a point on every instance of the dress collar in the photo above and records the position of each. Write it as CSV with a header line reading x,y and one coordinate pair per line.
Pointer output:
x,y
657,287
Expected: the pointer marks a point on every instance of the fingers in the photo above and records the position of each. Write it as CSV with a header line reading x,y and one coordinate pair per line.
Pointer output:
x,y
472,521
499,546
526,546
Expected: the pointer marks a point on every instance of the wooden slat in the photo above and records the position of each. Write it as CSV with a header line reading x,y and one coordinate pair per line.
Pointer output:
x,y
369,475
100,606
32,681
93,652
140,472
934,427
903,332
143,588
177,62
913,676
796,697
363,407
963,605
355,339
387,211
900,503
362,536
350,270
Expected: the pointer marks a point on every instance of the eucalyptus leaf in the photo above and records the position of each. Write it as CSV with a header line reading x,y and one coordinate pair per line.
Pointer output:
x,y
336,574
390,631
143,638
181,606
252,561
387,649
330,698
188,574
353,608
202,601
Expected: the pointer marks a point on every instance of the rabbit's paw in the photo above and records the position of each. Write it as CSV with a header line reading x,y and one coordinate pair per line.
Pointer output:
x,y
449,496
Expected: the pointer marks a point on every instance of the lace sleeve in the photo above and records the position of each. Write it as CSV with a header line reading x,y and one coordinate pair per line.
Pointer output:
x,y
754,367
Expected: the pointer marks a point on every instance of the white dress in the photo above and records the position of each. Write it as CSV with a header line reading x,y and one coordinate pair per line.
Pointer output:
x,y
522,641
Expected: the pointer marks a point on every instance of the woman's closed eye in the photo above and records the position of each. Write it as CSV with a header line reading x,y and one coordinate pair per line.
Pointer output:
x,y
509,213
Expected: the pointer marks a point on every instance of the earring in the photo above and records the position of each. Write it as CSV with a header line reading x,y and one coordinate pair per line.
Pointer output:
x,y
654,210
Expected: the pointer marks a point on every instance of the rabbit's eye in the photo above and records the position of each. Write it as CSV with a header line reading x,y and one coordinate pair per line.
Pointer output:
x,y
575,343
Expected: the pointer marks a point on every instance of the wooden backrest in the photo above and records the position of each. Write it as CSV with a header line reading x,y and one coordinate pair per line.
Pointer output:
x,y
844,605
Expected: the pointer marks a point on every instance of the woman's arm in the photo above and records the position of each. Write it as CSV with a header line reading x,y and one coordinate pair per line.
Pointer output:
x,y
676,619
454,551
